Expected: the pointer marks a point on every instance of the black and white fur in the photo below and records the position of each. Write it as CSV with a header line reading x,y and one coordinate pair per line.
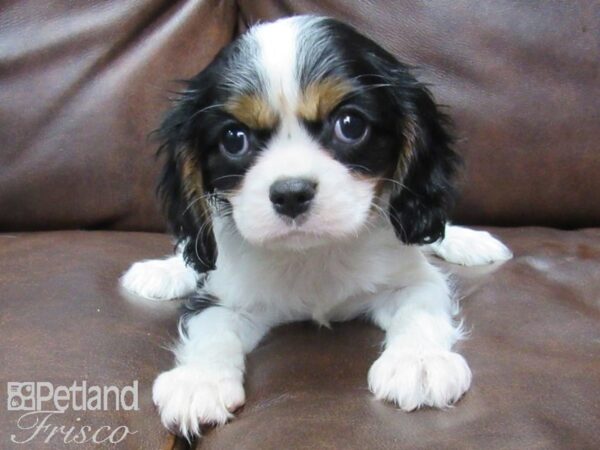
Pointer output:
x,y
381,199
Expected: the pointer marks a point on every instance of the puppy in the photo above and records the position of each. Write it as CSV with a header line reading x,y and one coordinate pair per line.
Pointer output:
x,y
305,170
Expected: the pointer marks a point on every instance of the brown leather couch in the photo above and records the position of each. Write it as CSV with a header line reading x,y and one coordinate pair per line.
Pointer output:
x,y
83,83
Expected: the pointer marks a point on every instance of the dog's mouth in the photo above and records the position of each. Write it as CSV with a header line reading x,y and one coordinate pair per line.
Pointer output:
x,y
294,229
304,233
296,239
295,225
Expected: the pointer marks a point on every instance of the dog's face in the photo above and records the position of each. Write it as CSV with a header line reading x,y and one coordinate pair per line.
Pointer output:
x,y
303,131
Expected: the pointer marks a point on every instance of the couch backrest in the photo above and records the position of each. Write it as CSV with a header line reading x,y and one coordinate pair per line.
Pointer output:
x,y
82,84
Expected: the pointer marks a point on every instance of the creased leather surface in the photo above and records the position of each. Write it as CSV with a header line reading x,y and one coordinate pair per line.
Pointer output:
x,y
534,350
82,84
63,319
522,80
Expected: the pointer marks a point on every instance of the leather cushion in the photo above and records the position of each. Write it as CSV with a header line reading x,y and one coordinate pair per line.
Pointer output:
x,y
82,85
534,350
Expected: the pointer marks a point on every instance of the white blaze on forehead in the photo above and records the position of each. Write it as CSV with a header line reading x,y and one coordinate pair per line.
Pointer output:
x,y
297,156
278,45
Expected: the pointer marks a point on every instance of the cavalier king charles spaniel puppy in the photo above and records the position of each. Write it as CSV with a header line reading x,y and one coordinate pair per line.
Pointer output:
x,y
307,172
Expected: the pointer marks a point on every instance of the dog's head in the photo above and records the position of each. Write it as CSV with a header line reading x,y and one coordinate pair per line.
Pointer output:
x,y
301,132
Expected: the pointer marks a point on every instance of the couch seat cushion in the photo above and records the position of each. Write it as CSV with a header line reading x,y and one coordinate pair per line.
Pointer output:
x,y
534,350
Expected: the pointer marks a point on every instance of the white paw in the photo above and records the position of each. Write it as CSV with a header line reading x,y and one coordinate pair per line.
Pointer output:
x,y
470,247
160,279
413,379
190,396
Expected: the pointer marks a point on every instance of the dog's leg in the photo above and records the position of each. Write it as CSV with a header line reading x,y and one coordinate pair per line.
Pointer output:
x,y
469,247
418,367
206,386
161,279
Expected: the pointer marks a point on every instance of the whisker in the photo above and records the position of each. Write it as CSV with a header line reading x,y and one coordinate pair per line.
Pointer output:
x,y
229,176
192,203
363,89
396,182
203,110
401,185
358,166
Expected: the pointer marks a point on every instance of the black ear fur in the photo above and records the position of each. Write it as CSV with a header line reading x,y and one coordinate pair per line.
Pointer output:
x,y
420,209
181,186
421,200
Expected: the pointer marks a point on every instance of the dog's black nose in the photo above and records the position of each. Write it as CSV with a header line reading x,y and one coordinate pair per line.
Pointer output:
x,y
292,196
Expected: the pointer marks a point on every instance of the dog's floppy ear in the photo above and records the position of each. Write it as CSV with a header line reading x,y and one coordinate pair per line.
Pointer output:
x,y
182,187
424,190
426,167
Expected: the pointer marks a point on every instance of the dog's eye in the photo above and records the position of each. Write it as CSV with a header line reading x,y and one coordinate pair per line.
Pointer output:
x,y
234,141
351,128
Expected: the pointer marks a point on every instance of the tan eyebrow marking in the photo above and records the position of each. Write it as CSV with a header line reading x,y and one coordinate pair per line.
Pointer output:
x,y
321,97
253,111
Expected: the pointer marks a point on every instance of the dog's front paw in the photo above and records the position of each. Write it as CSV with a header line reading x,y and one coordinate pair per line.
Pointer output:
x,y
414,379
470,247
190,396
160,279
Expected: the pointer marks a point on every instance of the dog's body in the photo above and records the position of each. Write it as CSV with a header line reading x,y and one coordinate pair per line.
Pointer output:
x,y
327,167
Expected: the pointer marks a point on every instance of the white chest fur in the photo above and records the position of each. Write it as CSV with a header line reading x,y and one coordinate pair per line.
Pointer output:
x,y
322,283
